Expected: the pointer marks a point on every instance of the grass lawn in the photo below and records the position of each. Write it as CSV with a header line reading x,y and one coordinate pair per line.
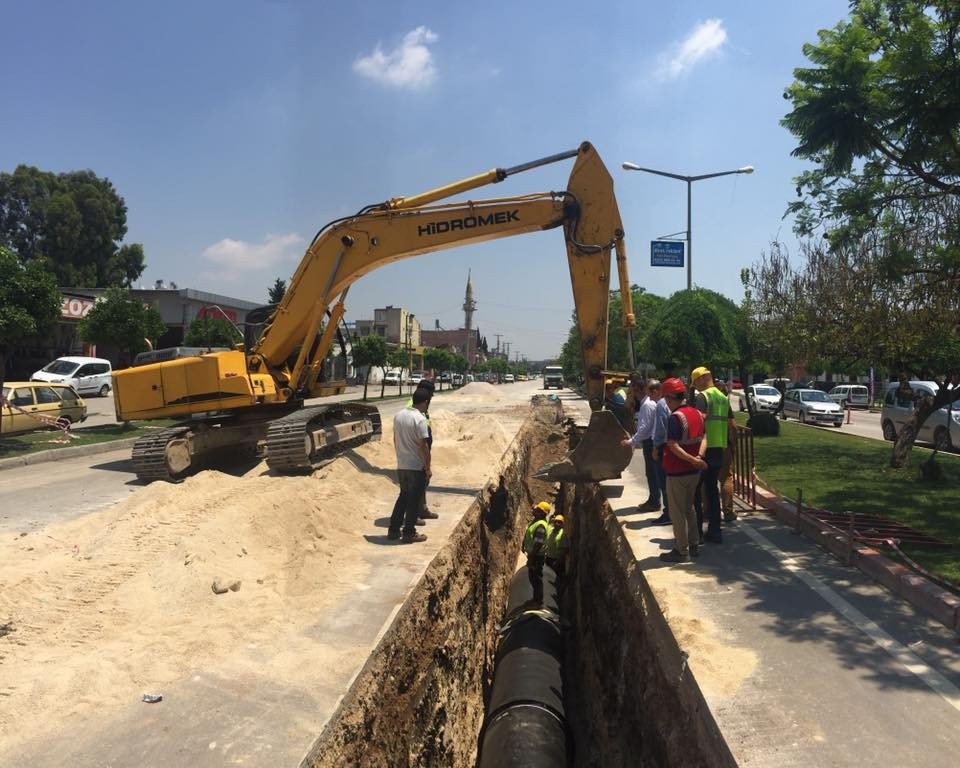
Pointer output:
x,y
844,472
47,439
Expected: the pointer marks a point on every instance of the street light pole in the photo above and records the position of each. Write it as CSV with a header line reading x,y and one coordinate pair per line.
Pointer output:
x,y
689,180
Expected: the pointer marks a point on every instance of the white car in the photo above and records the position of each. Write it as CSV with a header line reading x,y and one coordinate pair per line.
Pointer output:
x,y
393,379
417,376
854,395
762,397
508,378
811,406
87,375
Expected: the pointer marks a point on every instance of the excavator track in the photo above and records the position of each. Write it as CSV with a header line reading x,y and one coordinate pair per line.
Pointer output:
x,y
292,443
150,455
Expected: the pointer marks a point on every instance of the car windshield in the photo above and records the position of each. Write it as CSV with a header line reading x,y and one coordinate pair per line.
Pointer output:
x,y
815,397
769,391
61,367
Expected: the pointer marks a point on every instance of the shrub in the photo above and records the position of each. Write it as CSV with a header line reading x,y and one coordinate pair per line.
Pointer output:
x,y
764,423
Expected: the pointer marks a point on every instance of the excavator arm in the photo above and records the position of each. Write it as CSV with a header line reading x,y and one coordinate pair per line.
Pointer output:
x,y
349,248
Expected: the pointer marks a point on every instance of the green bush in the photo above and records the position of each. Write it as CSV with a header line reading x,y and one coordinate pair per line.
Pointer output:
x,y
764,423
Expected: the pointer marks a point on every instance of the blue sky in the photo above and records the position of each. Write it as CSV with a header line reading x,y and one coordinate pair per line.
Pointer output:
x,y
235,130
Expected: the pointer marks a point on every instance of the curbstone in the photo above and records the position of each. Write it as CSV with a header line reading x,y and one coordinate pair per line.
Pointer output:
x,y
920,592
67,452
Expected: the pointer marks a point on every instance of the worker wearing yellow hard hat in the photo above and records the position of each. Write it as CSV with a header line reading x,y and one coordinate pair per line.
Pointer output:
x,y
558,547
535,547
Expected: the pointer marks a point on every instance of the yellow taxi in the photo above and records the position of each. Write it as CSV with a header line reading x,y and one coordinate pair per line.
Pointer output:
x,y
30,405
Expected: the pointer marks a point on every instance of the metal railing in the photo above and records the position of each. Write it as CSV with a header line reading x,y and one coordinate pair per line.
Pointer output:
x,y
744,468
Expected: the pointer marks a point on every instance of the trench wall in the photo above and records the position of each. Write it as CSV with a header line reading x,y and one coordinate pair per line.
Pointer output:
x,y
419,699
635,701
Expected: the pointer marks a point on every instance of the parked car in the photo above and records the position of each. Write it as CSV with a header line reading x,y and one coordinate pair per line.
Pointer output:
x,y
811,406
736,384
393,379
444,378
417,376
898,409
508,378
762,397
87,375
456,379
854,395
26,400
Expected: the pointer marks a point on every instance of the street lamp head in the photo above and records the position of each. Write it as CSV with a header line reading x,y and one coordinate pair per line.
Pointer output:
x,y
745,169
631,167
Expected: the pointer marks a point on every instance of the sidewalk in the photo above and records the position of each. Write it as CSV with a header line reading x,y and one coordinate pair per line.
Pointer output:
x,y
802,660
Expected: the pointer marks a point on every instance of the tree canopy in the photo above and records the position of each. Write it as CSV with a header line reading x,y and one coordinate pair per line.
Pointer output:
x,y
276,292
369,351
122,321
29,302
211,332
72,222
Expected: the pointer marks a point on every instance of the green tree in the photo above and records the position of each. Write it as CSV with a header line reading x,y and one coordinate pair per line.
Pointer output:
x,y
29,302
695,327
276,292
212,332
398,358
123,321
439,361
369,351
74,222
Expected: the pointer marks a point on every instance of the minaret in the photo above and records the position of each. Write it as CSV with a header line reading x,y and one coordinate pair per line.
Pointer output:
x,y
469,305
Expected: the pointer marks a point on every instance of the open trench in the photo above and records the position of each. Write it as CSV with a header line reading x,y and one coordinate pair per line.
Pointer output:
x,y
628,696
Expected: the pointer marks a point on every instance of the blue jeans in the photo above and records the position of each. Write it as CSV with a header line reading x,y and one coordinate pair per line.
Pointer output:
x,y
413,483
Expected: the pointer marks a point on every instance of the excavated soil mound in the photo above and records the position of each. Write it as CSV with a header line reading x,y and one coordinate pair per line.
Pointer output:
x,y
122,600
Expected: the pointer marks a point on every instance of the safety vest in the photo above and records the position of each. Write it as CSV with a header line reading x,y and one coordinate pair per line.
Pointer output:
x,y
535,539
718,412
557,543
691,422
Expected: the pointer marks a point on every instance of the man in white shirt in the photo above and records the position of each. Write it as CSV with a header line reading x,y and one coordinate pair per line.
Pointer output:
x,y
411,442
647,393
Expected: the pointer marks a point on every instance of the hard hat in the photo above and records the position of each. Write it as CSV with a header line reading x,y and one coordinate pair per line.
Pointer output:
x,y
557,519
698,372
543,506
673,386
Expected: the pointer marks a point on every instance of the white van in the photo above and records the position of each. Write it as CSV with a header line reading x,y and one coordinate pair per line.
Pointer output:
x,y
87,375
942,427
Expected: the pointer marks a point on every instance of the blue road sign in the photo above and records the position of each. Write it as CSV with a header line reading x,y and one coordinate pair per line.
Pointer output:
x,y
666,253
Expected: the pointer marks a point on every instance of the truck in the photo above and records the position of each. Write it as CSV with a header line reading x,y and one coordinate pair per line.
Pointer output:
x,y
552,376
252,398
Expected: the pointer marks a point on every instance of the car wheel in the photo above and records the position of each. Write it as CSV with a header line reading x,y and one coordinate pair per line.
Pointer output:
x,y
104,390
889,433
802,418
64,422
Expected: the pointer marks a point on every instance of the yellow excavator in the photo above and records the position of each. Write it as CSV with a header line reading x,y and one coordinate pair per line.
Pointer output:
x,y
253,396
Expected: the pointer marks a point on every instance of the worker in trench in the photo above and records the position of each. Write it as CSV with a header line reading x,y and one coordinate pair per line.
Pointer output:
x,y
535,547
558,547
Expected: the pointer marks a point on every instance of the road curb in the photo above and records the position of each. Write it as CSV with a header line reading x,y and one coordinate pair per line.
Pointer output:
x,y
68,452
921,593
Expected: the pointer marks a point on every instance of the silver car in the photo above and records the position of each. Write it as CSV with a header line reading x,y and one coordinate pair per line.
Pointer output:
x,y
762,397
811,406
854,395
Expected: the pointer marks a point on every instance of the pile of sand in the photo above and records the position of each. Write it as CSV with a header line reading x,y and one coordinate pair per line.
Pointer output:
x,y
121,600
478,391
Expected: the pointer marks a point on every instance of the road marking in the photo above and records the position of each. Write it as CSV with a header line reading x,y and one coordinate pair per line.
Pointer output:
x,y
909,660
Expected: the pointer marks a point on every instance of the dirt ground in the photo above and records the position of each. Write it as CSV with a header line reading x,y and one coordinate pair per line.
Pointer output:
x,y
121,601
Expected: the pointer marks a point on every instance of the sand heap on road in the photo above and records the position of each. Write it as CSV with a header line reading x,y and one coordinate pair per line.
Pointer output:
x,y
116,603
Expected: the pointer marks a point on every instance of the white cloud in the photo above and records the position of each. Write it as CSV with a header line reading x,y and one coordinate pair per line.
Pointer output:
x,y
245,257
706,39
410,65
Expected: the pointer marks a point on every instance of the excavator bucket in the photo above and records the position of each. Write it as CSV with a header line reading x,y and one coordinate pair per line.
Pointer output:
x,y
598,456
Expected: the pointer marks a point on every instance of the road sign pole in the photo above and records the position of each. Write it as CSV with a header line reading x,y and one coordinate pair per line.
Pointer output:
x,y
689,237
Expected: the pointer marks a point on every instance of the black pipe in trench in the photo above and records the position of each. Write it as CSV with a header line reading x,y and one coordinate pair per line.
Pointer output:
x,y
525,725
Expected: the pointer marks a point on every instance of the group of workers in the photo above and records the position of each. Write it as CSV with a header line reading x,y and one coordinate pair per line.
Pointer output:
x,y
545,542
687,446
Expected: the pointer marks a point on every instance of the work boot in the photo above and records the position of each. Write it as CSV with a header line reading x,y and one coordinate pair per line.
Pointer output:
x,y
713,538
662,520
426,514
393,535
413,538
649,506
673,556
420,522
729,516
694,550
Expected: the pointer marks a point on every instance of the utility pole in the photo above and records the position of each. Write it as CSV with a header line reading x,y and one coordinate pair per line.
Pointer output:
x,y
498,335
507,345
